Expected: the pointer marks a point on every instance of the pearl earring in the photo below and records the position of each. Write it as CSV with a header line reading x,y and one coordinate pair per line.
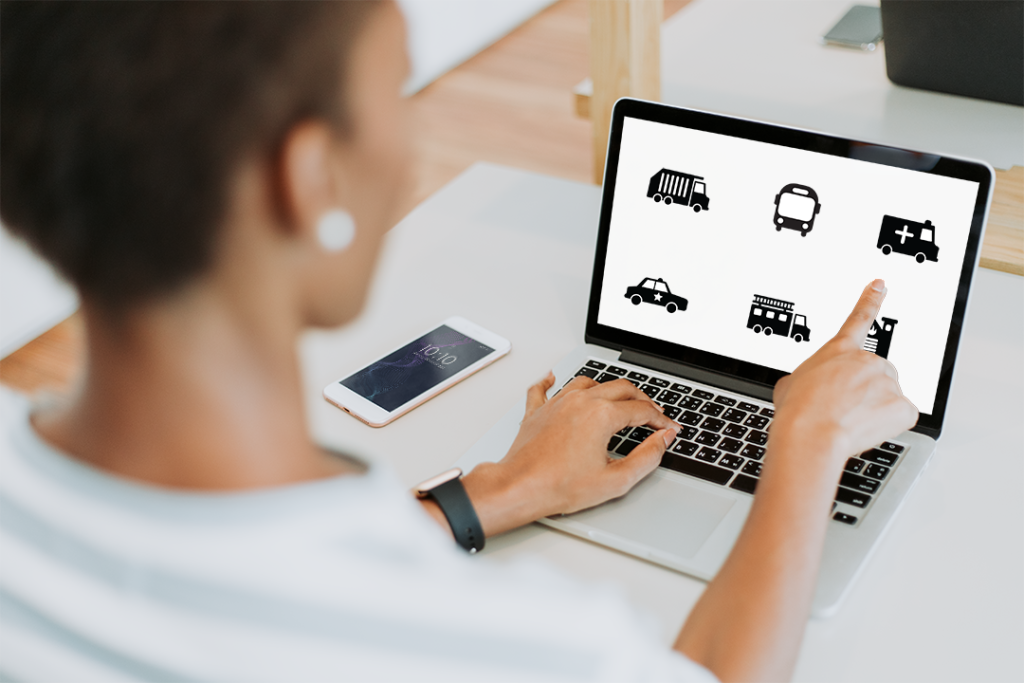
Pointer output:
x,y
336,229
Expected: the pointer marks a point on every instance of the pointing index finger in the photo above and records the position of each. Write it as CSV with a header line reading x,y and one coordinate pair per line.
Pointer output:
x,y
857,326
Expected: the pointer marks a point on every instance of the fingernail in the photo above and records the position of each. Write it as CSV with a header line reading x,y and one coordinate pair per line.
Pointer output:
x,y
878,285
669,435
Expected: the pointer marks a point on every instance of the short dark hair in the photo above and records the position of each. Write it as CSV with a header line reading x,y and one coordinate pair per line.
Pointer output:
x,y
122,123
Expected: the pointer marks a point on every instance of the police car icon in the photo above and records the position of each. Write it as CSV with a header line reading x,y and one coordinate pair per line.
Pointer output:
x,y
655,291
908,237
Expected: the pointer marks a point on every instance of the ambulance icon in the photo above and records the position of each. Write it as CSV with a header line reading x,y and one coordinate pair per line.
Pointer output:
x,y
907,237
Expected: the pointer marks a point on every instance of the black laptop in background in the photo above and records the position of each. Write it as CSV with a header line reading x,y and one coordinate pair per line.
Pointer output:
x,y
973,48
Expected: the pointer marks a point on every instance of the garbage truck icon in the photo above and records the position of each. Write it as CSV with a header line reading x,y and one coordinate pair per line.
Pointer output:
x,y
684,189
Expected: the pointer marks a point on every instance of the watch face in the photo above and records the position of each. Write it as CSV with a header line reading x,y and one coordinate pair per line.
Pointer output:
x,y
432,483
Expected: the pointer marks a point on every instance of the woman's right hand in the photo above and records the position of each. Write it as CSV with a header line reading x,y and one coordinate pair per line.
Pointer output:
x,y
843,396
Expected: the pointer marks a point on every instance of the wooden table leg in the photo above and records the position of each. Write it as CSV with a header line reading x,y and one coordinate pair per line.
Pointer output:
x,y
625,61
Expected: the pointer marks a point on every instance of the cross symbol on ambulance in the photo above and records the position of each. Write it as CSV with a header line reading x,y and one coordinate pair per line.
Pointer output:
x,y
904,234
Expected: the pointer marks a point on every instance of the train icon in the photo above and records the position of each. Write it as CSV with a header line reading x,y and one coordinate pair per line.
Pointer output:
x,y
879,337
773,316
684,189
796,207
908,237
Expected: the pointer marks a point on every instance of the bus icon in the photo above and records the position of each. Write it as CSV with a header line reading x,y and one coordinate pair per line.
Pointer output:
x,y
907,237
795,208
774,316
673,187
879,337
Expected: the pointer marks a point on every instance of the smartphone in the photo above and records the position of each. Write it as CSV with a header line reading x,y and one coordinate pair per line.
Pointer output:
x,y
415,372
860,27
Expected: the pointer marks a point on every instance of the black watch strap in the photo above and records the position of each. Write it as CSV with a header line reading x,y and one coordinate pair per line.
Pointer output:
x,y
458,510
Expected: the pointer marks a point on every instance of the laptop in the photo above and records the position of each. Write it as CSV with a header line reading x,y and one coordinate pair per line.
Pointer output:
x,y
728,251
962,47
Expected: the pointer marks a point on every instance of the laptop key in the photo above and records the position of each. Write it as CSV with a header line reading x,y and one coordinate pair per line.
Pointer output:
x,y
623,431
752,468
606,377
854,498
613,443
668,396
844,518
880,457
712,425
700,393
859,483
753,452
638,376
768,412
688,433
586,372
712,409
876,471
681,388
735,431
691,403
733,462
690,418
758,438
685,448
676,463
725,400
733,415
892,447
626,447
659,382
756,421
708,454
616,370
596,365
749,407
672,412
650,391
708,438
744,483
854,465
641,433
730,445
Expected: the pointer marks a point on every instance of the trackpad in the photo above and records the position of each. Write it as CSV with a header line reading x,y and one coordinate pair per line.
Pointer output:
x,y
669,515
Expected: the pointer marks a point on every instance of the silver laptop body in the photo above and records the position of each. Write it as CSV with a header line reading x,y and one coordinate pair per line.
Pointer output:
x,y
678,517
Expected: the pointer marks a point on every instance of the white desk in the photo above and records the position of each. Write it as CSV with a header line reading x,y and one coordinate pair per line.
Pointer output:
x,y
33,298
763,59
942,599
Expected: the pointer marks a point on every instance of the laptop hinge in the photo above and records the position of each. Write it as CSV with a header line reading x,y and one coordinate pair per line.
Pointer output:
x,y
715,379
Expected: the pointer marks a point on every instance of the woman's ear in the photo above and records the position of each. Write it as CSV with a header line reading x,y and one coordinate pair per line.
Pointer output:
x,y
307,178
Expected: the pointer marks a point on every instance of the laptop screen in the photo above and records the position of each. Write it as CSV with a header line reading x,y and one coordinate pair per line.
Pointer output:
x,y
729,248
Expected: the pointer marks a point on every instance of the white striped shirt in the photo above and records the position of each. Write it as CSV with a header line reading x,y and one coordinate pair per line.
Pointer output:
x,y
342,579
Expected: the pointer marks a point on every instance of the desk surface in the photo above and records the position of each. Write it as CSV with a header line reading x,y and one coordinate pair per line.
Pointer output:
x,y
941,599
783,73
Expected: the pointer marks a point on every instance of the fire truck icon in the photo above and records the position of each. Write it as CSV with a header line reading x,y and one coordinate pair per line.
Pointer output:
x,y
879,337
773,316
796,207
673,187
908,237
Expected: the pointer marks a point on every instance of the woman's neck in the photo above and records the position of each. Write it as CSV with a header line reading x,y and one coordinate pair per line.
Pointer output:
x,y
200,392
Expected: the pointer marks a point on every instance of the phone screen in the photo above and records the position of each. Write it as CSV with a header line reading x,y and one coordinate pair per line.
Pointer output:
x,y
416,368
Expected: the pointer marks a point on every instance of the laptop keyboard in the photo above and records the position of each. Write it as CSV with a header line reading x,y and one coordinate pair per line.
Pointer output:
x,y
723,438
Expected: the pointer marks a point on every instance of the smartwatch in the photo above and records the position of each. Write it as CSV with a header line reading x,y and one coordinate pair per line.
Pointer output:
x,y
450,495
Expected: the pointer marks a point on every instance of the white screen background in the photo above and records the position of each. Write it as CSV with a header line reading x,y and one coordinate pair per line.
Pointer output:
x,y
719,259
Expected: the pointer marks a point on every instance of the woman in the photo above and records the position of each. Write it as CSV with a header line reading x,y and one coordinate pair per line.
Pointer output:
x,y
214,179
